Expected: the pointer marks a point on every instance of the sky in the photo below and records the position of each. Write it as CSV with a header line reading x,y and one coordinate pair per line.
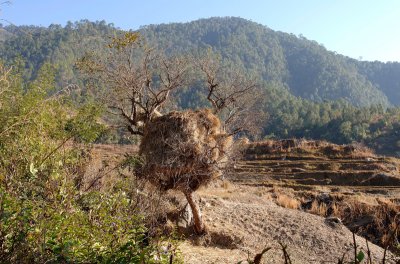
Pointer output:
x,y
361,29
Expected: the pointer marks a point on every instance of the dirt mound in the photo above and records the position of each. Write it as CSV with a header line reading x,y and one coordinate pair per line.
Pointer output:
x,y
260,223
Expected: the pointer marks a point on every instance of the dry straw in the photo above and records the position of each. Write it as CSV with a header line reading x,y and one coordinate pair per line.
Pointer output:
x,y
183,150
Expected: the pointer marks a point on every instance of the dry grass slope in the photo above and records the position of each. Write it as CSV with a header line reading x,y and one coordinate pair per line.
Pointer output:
x,y
242,215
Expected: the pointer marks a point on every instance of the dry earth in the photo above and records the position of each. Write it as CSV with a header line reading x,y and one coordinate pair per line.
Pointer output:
x,y
242,221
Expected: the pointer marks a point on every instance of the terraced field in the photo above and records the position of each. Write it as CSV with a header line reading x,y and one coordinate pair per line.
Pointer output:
x,y
349,182
376,177
304,166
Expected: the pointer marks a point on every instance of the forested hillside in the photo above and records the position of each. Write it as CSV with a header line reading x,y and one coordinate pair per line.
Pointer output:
x,y
31,47
309,91
305,67
385,76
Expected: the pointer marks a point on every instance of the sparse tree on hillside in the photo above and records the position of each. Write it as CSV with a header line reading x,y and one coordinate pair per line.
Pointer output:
x,y
180,150
234,95
138,79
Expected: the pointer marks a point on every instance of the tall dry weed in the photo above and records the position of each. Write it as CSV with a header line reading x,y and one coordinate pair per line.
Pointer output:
x,y
287,202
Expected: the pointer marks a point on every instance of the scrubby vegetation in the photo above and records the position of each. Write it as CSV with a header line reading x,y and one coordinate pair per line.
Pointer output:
x,y
45,217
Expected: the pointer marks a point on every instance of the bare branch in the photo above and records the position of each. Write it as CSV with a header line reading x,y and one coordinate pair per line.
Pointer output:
x,y
138,79
232,94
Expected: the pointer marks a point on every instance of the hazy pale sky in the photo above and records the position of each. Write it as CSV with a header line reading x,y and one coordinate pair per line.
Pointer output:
x,y
356,28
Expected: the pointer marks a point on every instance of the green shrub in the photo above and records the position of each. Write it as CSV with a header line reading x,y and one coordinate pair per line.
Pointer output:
x,y
44,217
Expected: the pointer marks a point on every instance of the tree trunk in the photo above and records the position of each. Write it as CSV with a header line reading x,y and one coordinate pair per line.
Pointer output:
x,y
198,222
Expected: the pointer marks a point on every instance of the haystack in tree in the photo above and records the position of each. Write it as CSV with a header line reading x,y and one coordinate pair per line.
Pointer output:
x,y
184,150
181,150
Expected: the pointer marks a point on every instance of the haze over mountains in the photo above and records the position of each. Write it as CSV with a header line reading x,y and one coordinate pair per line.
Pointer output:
x,y
302,66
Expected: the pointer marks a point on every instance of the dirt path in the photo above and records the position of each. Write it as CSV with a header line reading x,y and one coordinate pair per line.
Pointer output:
x,y
240,221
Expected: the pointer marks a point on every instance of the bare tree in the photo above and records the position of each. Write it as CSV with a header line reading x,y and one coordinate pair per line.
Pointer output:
x,y
138,79
179,150
233,94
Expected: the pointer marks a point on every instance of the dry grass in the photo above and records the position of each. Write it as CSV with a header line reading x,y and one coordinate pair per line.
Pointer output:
x,y
263,192
318,208
287,202
361,198
184,150
226,184
308,147
373,221
335,209
367,216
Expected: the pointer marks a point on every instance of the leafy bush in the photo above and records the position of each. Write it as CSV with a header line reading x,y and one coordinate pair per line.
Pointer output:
x,y
99,230
44,217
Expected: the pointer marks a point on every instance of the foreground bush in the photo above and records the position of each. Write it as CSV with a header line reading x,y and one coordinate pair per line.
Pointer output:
x,y
103,231
44,217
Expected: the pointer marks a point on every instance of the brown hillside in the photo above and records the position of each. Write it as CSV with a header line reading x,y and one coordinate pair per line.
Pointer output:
x,y
290,192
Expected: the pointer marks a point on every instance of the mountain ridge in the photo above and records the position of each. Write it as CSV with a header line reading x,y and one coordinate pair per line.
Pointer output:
x,y
304,67
277,56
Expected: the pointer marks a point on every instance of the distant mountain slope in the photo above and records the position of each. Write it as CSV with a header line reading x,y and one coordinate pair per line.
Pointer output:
x,y
386,76
58,45
302,66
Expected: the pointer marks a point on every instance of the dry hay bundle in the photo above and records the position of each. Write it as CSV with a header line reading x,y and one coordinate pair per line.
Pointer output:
x,y
184,150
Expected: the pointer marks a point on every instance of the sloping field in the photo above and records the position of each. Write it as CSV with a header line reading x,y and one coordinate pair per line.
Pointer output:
x,y
290,192
349,182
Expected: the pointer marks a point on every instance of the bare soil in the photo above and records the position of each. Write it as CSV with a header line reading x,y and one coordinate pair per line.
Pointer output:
x,y
243,220
243,217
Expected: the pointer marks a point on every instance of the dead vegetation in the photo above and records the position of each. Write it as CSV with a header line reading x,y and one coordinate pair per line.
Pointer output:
x,y
287,202
375,220
307,148
184,150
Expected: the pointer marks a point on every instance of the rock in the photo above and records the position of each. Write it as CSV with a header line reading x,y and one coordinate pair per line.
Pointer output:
x,y
325,198
185,218
333,221
298,170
